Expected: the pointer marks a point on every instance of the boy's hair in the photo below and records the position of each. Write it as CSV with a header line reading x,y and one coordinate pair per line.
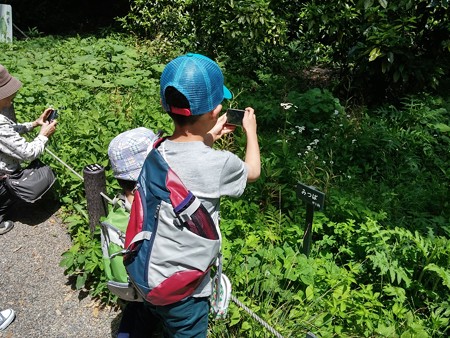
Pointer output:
x,y
127,186
176,99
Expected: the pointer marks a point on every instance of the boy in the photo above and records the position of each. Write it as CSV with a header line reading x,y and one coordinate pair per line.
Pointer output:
x,y
127,152
191,92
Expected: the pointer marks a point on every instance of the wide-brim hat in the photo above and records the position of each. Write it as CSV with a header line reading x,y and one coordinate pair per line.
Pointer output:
x,y
8,83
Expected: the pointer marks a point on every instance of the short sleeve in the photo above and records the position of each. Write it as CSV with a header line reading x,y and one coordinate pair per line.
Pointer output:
x,y
233,178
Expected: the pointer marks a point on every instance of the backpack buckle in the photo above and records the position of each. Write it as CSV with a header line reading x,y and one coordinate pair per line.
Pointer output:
x,y
181,219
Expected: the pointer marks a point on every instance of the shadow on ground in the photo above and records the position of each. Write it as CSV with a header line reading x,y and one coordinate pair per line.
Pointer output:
x,y
34,213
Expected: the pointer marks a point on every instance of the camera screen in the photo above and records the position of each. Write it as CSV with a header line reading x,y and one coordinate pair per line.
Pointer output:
x,y
52,116
235,116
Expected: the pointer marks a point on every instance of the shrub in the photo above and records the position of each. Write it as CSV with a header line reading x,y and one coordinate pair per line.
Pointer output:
x,y
244,30
384,49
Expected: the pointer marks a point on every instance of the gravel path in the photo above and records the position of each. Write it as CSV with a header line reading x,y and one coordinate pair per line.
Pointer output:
x,y
34,285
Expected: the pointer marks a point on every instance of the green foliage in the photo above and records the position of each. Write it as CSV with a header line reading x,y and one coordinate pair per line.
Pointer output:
x,y
246,30
102,87
379,49
379,260
83,260
382,47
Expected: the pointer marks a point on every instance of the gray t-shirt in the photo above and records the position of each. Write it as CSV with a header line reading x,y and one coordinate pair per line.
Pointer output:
x,y
208,174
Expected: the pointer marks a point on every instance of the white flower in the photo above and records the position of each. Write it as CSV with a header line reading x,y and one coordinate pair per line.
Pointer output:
x,y
336,112
354,140
286,105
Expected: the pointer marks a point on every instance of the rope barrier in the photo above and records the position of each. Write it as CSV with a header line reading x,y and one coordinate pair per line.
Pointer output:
x,y
64,164
109,199
233,298
26,36
256,317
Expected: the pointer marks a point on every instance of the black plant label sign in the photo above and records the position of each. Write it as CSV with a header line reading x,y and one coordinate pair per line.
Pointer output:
x,y
311,195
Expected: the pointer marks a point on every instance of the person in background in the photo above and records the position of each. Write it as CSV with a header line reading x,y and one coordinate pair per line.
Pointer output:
x,y
127,153
14,149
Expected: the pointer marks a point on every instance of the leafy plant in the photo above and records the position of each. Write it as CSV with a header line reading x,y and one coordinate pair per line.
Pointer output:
x,y
382,47
379,261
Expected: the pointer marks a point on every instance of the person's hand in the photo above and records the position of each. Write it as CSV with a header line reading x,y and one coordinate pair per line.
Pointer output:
x,y
221,128
249,121
252,155
41,120
48,129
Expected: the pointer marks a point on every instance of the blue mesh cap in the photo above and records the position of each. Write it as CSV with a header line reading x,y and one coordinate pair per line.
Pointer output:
x,y
199,79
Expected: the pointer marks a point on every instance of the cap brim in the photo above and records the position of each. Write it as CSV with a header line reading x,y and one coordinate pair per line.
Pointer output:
x,y
226,93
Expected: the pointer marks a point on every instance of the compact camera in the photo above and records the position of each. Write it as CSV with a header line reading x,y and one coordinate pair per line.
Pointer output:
x,y
235,116
52,116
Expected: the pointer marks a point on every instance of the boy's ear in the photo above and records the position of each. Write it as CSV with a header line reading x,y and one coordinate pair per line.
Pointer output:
x,y
215,113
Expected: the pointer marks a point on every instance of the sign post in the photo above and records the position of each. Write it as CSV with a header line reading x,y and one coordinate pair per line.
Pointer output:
x,y
314,199
6,24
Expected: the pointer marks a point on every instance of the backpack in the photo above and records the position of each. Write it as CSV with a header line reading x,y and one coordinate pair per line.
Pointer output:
x,y
171,240
112,236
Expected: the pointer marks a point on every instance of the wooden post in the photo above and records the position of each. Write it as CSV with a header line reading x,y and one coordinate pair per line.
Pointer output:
x,y
94,184
307,236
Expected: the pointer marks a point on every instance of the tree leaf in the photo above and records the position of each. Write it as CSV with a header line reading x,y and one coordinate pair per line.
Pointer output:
x,y
396,76
374,54
443,273
442,127
368,4
383,3
390,57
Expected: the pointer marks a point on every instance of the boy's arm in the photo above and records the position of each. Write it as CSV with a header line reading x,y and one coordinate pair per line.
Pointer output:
x,y
252,156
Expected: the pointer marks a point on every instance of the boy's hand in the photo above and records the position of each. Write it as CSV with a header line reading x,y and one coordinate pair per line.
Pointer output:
x,y
221,128
249,121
